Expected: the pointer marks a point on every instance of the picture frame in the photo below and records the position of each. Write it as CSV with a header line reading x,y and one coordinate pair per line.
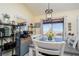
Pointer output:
x,y
37,25
69,27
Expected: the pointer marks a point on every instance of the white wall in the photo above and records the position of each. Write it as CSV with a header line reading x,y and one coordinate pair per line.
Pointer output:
x,y
15,10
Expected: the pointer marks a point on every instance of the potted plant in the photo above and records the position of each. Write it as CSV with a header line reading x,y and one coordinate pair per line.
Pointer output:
x,y
50,35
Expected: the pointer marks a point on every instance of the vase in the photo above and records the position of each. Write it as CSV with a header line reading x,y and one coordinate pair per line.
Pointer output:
x,y
50,39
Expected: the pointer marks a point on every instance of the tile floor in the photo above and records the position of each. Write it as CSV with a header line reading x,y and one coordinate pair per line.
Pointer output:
x,y
65,54
68,52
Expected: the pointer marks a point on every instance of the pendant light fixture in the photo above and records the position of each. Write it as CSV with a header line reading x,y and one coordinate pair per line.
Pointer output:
x,y
48,12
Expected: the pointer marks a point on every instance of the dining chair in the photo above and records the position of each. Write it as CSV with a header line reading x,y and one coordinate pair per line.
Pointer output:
x,y
49,48
31,46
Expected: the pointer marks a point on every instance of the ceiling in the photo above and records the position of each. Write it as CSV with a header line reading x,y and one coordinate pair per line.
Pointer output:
x,y
39,8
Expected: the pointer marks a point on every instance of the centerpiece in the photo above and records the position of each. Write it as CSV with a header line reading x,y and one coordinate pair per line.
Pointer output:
x,y
50,35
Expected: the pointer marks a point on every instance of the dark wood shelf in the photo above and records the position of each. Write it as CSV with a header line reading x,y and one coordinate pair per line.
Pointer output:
x,y
6,24
6,37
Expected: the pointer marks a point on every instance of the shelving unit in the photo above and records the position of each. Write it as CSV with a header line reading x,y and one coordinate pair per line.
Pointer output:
x,y
2,38
15,38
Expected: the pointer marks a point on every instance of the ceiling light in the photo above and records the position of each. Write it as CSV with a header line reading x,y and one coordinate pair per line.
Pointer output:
x,y
48,12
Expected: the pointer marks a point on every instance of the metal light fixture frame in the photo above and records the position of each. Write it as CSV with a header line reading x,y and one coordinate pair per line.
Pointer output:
x,y
48,12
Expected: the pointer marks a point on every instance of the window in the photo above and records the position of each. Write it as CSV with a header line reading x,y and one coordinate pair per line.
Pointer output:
x,y
46,28
56,28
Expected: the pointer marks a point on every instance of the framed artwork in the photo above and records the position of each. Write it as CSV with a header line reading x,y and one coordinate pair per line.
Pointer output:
x,y
69,26
37,25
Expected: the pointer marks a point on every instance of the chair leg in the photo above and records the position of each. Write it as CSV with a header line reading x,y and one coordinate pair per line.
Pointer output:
x,y
30,52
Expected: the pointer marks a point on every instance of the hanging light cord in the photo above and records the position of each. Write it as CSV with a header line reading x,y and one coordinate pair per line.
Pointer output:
x,y
48,6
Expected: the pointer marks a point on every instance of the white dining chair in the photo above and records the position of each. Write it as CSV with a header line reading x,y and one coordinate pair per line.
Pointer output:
x,y
31,46
49,48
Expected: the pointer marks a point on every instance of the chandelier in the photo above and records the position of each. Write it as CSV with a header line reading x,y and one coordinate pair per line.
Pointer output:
x,y
48,12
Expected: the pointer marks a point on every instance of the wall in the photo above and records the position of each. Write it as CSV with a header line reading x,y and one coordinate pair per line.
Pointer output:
x,y
15,10
71,17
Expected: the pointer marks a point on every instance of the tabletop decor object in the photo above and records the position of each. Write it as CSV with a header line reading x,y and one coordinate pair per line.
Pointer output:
x,y
50,35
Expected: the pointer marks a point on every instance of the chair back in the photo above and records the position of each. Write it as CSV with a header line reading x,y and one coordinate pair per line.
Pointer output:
x,y
53,48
